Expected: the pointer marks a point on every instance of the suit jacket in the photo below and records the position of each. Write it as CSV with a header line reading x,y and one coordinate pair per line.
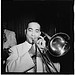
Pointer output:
x,y
20,59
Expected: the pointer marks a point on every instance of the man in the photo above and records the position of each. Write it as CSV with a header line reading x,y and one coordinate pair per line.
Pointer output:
x,y
26,57
9,40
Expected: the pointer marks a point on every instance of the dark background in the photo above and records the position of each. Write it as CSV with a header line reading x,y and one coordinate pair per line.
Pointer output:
x,y
51,15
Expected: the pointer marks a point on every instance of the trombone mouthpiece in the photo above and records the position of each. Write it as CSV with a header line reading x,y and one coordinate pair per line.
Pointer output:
x,y
32,41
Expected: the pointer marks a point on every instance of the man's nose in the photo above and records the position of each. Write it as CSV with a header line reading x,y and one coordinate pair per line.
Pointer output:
x,y
33,34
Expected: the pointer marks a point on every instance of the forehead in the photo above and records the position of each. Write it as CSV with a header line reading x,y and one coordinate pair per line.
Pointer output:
x,y
34,25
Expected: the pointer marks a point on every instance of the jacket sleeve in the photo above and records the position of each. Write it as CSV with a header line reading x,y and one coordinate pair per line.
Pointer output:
x,y
16,63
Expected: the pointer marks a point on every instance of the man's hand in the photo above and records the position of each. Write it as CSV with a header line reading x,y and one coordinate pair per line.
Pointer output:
x,y
41,43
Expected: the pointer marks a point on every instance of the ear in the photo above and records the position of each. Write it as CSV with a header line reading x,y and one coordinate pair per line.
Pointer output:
x,y
25,31
40,33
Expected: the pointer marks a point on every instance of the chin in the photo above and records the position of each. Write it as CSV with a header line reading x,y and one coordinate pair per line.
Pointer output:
x,y
29,41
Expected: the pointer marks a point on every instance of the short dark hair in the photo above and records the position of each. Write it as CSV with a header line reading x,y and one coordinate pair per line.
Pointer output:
x,y
32,22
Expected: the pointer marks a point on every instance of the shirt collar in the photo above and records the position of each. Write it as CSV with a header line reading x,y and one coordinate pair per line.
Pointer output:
x,y
28,43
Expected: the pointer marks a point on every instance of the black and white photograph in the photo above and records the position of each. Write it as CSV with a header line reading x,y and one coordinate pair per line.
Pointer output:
x,y
37,37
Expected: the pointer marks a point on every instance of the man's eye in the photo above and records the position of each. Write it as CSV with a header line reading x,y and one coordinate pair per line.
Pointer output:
x,y
37,31
29,29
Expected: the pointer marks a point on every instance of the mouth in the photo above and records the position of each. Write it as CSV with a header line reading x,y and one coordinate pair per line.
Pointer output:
x,y
34,40
31,40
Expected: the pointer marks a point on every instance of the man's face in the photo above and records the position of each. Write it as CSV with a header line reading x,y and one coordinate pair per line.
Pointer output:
x,y
33,32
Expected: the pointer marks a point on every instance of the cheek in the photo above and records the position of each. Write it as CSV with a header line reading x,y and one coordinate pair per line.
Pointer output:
x,y
37,35
28,34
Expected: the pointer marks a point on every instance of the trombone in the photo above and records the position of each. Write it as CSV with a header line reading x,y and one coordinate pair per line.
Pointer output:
x,y
58,45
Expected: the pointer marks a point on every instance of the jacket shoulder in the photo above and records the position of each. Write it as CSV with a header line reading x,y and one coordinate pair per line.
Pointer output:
x,y
18,48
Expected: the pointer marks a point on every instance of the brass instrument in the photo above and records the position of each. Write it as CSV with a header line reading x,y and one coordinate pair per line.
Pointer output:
x,y
58,45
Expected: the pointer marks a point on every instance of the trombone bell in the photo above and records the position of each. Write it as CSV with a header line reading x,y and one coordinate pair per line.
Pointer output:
x,y
59,44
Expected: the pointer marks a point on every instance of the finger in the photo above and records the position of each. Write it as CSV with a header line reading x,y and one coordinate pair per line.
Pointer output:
x,y
41,37
39,41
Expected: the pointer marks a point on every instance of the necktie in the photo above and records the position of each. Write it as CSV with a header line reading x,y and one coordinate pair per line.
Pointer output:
x,y
31,51
32,54
36,59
